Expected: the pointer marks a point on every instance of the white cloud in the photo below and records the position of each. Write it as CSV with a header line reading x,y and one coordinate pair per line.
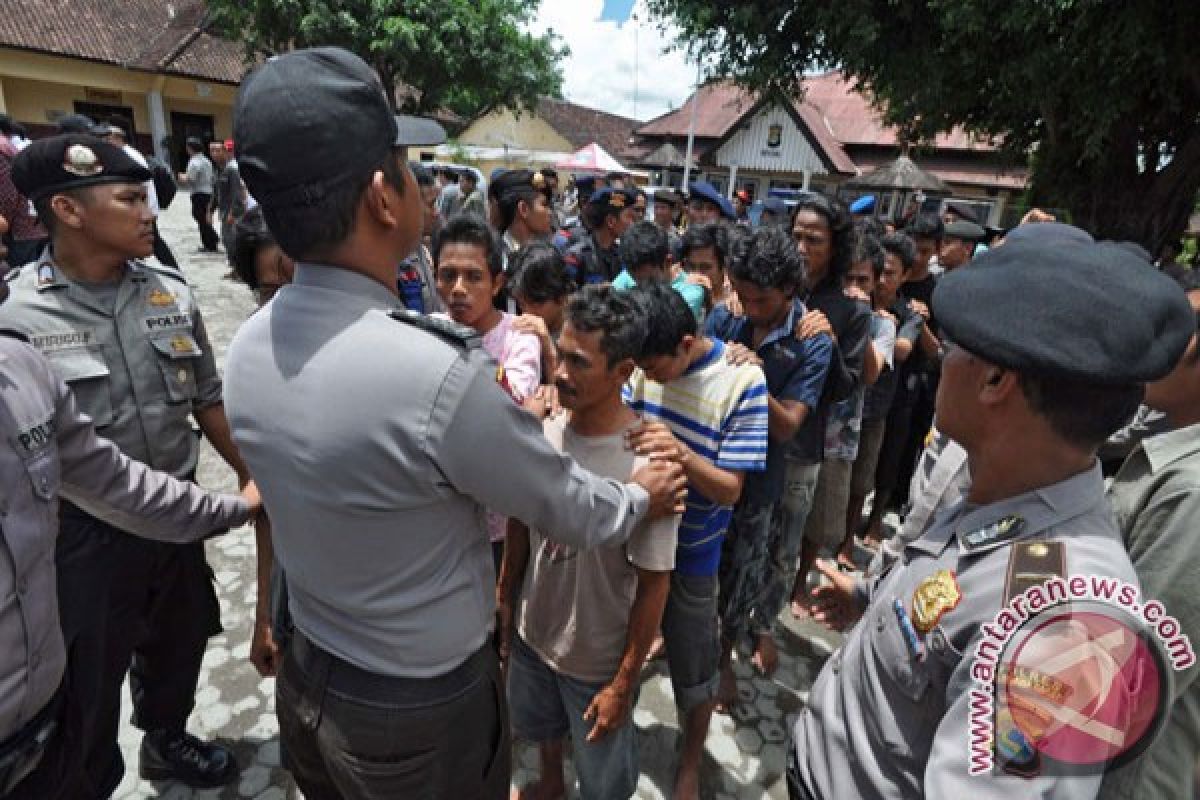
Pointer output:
x,y
599,73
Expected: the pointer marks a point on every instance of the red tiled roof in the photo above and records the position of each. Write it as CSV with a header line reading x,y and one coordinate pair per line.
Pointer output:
x,y
581,125
834,111
720,106
149,35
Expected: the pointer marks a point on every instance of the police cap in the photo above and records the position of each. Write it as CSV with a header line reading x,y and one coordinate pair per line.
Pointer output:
x,y
72,161
1093,313
614,200
706,191
965,231
290,124
517,181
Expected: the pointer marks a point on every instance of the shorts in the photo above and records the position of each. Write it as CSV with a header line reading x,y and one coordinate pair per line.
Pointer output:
x,y
826,526
870,442
545,706
690,633
744,568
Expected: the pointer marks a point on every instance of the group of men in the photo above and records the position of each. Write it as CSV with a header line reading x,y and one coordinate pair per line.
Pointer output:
x,y
666,429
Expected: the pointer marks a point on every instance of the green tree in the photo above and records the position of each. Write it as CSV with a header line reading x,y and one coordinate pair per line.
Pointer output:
x,y
1102,97
469,56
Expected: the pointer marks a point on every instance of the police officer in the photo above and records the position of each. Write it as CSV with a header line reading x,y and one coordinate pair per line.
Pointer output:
x,y
593,258
707,205
129,339
377,437
894,711
48,447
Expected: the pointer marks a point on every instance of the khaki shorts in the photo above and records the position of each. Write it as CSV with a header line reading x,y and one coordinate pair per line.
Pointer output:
x,y
870,442
826,526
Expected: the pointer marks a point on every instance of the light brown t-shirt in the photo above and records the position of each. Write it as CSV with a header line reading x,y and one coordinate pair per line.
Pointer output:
x,y
575,604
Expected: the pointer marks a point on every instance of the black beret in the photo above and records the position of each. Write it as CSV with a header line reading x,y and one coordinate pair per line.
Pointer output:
x,y
966,231
614,200
517,181
309,120
72,161
1048,233
1093,313
586,185
962,210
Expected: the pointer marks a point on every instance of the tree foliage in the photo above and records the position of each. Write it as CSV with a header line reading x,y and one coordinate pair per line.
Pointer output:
x,y
1104,95
469,56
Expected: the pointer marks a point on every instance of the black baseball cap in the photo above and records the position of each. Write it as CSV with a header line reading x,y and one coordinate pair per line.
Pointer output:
x,y
309,120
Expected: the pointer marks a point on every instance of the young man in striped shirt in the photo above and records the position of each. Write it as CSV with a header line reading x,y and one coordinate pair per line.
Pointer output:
x,y
712,418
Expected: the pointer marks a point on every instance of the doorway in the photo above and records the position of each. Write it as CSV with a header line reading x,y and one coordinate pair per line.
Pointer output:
x,y
183,127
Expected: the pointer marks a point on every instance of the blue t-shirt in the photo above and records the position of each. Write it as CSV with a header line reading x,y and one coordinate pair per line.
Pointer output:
x,y
795,369
720,412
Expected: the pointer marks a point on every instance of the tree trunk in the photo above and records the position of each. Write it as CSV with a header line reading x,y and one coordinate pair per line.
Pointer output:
x,y
1114,199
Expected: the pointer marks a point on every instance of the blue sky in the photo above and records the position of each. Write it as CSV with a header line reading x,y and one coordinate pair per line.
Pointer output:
x,y
617,10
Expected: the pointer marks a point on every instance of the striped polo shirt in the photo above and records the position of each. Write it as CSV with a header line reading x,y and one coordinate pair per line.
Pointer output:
x,y
720,412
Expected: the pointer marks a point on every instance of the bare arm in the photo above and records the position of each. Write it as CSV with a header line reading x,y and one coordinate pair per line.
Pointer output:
x,y
612,704
656,441
512,575
873,365
215,427
785,418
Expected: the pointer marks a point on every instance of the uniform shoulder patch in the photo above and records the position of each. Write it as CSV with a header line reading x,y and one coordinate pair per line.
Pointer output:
x,y
448,330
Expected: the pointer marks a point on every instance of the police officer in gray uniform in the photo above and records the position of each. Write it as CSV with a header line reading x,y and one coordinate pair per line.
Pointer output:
x,y
378,436
892,712
47,448
128,337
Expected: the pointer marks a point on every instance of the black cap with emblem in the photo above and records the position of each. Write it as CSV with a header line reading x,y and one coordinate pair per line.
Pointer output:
x,y
1094,313
72,161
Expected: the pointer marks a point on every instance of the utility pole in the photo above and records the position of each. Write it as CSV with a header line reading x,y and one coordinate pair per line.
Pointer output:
x,y
687,159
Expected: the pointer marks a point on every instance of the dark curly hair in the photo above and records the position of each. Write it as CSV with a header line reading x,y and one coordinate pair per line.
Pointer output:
x,y
841,229
768,259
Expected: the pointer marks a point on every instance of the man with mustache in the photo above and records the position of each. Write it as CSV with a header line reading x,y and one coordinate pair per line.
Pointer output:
x,y
585,618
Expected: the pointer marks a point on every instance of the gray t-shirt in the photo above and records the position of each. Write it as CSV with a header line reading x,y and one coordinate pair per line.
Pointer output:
x,y
575,604
200,174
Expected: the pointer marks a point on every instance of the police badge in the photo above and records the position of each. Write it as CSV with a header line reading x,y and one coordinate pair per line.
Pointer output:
x,y
81,161
936,595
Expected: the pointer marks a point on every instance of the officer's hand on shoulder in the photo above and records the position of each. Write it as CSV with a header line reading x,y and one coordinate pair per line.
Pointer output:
x,y
664,481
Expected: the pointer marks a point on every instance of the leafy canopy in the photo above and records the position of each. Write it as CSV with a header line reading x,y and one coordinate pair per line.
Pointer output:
x,y
469,56
1107,93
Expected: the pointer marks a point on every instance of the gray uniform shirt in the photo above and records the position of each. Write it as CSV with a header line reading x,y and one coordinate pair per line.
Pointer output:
x,y
1156,499
883,723
138,371
377,444
48,447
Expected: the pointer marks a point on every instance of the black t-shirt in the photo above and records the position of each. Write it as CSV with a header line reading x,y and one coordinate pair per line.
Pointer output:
x,y
922,291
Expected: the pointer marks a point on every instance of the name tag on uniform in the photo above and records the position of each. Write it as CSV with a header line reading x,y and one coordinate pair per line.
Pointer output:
x,y
62,340
158,323
35,438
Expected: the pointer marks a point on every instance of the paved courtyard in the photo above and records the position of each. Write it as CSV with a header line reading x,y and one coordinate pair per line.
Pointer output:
x,y
237,707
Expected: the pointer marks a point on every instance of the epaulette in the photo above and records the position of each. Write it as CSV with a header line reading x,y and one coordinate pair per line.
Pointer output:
x,y
1032,563
10,333
448,330
164,270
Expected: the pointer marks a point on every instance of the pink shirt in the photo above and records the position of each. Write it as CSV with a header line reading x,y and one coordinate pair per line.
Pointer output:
x,y
519,356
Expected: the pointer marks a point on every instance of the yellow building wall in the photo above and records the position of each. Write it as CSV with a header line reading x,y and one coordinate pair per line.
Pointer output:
x,y
34,85
527,132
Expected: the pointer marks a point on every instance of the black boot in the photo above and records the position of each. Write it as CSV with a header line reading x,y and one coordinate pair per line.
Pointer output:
x,y
179,756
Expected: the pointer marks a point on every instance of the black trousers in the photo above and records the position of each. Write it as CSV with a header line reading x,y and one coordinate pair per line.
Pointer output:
x,y
209,239
129,605
348,733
